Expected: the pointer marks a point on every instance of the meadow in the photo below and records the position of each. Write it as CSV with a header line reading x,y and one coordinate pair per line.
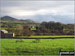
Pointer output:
x,y
31,47
53,36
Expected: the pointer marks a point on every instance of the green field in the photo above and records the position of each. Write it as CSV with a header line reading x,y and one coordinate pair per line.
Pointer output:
x,y
45,36
31,47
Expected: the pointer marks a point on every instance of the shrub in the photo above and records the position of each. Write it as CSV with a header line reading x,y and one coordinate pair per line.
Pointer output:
x,y
36,41
19,40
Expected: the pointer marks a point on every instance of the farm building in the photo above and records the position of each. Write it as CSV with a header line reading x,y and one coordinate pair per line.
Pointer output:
x,y
32,27
6,34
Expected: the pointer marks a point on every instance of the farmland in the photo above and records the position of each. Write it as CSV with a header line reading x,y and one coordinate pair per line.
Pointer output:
x,y
31,47
34,38
53,36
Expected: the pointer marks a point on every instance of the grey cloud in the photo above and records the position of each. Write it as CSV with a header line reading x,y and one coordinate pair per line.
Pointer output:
x,y
31,5
56,18
8,6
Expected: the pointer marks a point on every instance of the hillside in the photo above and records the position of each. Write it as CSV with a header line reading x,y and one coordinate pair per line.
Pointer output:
x,y
6,21
5,18
14,20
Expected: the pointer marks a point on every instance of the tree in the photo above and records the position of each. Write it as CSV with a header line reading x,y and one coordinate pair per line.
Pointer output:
x,y
27,31
19,30
55,27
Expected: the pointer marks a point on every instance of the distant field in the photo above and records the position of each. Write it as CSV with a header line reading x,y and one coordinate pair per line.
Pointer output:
x,y
2,28
56,36
45,36
31,47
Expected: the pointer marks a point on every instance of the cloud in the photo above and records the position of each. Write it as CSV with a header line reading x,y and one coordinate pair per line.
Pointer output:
x,y
57,18
38,9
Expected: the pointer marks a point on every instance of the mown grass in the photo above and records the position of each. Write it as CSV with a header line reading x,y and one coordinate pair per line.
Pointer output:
x,y
31,47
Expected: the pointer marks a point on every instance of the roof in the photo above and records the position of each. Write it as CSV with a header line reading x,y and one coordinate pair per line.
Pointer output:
x,y
4,31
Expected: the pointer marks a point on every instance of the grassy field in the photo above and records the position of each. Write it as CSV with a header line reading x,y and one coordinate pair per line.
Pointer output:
x,y
31,47
45,36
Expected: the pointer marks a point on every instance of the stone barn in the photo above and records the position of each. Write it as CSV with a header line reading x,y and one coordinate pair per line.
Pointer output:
x,y
6,34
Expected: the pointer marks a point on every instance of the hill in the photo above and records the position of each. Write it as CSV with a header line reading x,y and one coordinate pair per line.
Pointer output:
x,y
6,18
12,19
7,21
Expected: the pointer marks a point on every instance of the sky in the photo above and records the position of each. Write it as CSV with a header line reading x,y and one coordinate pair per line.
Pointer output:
x,y
58,11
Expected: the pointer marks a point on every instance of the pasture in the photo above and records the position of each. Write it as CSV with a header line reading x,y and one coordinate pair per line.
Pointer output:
x,y
53,36
31,47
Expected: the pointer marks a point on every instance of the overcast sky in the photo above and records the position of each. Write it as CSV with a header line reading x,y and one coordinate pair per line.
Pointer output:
x,y
59,11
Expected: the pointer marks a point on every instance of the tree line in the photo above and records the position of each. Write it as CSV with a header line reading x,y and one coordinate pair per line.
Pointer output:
x,y
44,28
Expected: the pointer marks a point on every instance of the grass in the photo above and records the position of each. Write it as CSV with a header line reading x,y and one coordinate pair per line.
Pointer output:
x,y
54,36
2,28
31,47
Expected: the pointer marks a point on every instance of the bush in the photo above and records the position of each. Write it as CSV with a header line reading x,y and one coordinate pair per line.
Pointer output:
x,y
19,40
36,41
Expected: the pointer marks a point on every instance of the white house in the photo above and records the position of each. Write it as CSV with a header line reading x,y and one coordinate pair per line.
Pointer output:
x,y
6,34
